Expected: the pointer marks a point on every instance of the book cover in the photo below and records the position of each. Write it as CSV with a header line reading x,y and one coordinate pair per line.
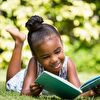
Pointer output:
x,y
58,85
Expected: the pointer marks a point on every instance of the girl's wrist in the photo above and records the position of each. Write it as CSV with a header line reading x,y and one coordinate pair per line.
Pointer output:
x,y
26,92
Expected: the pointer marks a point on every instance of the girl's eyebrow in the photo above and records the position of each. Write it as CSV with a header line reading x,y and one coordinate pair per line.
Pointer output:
x,y
43,55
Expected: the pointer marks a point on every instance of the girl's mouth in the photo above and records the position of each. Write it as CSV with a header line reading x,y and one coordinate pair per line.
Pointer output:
x,y
57,65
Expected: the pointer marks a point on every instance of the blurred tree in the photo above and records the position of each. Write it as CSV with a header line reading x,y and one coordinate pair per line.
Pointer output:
x,y
78,21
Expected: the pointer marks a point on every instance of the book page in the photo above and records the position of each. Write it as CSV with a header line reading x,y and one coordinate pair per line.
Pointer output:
x,y
90,84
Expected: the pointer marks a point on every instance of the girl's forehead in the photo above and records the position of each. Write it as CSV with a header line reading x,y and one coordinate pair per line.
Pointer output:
x,y
49,44
46,38
50,39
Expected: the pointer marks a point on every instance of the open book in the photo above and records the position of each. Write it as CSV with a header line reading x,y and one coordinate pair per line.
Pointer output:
x,y
62,87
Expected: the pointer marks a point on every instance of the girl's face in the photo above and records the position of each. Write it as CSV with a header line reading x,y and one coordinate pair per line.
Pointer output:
x,y
50,54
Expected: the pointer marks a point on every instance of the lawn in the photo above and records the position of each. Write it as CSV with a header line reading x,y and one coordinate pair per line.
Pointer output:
x,y
4,95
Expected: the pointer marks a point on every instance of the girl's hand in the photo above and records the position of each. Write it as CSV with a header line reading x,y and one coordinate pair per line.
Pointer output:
x,y
26,92
35,89
97,90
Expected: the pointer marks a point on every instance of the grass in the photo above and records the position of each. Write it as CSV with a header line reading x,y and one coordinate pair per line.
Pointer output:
x,y
5,95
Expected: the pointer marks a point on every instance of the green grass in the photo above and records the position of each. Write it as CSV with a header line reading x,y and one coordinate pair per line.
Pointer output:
x,y
8,95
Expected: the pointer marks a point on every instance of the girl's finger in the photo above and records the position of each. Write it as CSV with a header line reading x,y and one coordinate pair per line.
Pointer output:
x,y
36,91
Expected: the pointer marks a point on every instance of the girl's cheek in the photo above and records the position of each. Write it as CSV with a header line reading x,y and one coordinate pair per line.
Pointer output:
x,y
62,57
45,63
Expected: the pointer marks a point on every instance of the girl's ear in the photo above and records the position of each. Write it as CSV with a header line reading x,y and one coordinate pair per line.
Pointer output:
x,y
35,56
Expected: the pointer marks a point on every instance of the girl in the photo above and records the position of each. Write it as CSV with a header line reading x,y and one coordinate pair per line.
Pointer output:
x,y
48,54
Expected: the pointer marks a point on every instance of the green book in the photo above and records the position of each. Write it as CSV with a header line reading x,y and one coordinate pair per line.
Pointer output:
x,y
62,87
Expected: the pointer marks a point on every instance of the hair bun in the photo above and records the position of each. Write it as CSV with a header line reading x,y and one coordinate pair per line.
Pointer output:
x,y
34,23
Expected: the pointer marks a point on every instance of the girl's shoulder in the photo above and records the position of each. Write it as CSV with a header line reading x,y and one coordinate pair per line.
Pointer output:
x,y
65,61
70,64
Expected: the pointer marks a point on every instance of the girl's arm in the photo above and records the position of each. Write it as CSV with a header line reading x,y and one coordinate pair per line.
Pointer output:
x,y
29,78
29,87
73,78
72,73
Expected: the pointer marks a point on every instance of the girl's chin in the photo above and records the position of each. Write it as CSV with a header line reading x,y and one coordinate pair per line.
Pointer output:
x,y
57,70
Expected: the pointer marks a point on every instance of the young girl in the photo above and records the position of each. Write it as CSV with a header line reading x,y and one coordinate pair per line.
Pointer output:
x,y
48,54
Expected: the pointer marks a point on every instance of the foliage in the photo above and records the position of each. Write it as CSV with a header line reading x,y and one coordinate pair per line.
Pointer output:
x,y
77,20
86,57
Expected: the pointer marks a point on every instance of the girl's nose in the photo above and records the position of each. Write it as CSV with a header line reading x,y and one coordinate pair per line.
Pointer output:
x,y
54,59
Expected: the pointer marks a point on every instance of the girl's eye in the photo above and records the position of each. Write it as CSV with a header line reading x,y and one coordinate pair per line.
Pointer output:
x,y
45,57
57,51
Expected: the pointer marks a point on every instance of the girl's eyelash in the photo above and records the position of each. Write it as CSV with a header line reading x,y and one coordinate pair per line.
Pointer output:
x,y
58,51
45,57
